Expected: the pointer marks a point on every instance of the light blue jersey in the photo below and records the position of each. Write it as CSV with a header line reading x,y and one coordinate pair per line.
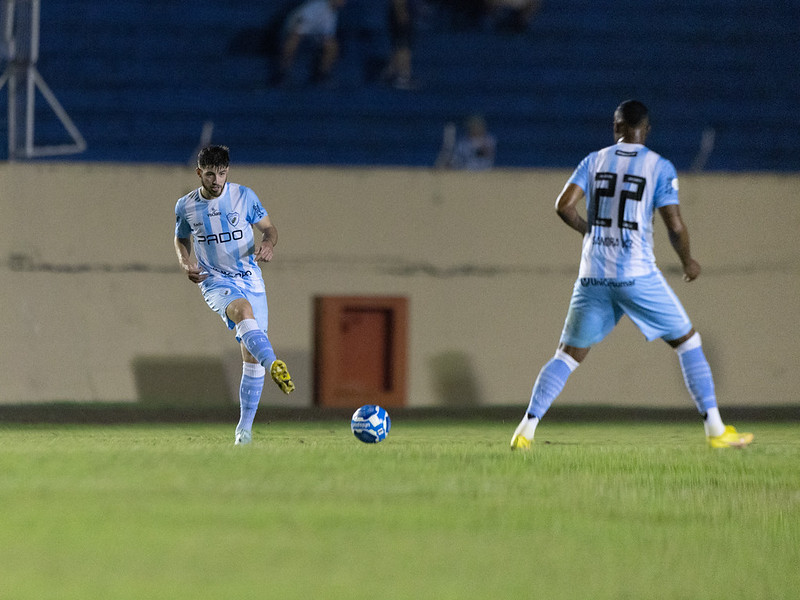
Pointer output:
x,y
623,184
223,234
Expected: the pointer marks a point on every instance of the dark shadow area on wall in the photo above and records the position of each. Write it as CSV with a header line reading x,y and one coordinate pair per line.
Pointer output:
x,y
191,382
454,380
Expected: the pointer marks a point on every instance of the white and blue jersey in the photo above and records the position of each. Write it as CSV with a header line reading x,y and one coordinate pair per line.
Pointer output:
x,y
223,234
623,184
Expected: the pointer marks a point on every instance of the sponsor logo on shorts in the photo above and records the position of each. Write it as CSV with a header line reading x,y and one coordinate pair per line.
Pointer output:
x,y
591,281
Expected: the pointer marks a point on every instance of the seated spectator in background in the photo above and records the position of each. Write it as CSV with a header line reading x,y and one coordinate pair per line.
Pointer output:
x,y
401,31
473,151
314,20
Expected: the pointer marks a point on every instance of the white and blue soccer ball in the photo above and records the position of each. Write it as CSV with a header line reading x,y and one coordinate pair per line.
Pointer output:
x,y
371,424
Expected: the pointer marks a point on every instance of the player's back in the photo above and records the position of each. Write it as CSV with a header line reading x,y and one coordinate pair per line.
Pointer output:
x,y
624,184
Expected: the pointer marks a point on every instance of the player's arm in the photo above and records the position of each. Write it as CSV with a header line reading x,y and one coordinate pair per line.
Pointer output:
x,y
567,208
679,238
269,238
183,248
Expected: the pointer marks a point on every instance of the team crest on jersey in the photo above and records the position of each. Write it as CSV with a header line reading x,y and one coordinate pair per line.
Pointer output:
x,y
233,218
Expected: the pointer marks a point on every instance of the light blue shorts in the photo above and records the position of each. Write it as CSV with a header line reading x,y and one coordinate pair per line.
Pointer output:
x,y
597,305
219,293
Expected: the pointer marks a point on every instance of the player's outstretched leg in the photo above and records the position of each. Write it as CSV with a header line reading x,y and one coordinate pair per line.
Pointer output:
x,y
548,386
700,383
249,395
256,341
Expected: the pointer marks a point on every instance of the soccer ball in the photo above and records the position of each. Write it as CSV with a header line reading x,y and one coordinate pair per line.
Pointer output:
x,y
371,424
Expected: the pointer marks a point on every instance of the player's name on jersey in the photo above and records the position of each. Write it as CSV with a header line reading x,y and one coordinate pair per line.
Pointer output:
x,y
612,242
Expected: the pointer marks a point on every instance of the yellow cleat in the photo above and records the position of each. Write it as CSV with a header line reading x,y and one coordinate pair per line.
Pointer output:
x,y
520,442
523,434
730,438
280,375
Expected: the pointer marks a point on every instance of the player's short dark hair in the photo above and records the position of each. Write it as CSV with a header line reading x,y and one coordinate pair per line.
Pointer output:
x,y
214,156
632,112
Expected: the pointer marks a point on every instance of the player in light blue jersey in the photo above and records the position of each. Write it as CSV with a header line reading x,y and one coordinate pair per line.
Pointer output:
x,y
217,221
623,185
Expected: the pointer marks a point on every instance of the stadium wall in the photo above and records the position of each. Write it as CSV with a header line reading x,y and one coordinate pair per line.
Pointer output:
x,y
97,310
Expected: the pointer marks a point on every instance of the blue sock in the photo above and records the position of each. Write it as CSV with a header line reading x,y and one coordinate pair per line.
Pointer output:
x,y
697,374
250,394
256,341
550,382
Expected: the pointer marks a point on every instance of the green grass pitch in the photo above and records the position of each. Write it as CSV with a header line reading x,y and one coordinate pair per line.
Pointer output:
x,y
440,510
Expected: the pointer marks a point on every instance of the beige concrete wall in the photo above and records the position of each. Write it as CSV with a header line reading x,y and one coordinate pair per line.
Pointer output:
x,y
91,288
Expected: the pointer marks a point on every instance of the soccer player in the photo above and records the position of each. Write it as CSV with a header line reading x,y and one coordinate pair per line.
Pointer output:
x,y
623,185
220,217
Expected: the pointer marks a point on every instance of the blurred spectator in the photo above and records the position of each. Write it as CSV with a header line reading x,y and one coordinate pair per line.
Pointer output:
x,y
401,32
473,151
316,21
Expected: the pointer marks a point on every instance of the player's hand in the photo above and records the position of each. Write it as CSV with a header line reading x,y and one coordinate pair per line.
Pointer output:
x,y
691,270
264,252
194,273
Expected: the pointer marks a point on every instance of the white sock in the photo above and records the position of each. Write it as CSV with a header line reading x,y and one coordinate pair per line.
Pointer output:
x,y
527,427
713,423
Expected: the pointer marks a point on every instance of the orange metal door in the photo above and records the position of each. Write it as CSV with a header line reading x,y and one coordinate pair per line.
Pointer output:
x,y
360,351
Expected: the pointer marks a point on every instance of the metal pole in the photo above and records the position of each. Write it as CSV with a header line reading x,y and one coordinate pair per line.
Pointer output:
x,y
10,76
12,111
22,95
30,81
